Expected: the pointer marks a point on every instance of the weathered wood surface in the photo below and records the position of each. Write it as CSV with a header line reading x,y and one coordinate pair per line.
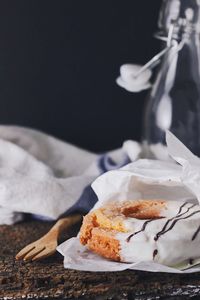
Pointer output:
x,y
49,280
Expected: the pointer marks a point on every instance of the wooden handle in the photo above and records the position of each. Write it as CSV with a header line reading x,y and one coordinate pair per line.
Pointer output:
x,y
65,223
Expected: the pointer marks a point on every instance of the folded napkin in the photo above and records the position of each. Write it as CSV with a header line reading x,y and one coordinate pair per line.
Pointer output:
x,y
46,177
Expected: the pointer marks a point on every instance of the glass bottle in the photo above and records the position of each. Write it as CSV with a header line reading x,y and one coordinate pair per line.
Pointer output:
x,y
174,101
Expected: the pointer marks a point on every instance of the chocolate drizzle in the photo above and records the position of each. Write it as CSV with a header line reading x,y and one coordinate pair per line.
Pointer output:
x,y
155,252
148,221
196,233
174,223
191,261
181,207
142,229
176,219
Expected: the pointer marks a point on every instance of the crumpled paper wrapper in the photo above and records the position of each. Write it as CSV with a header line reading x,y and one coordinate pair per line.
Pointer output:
x,y
139,180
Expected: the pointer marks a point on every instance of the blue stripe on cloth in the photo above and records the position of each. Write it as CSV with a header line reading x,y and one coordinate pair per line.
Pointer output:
x,y
106,163
88,198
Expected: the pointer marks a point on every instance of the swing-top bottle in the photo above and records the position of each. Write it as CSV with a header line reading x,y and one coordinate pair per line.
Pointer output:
x,y
174,101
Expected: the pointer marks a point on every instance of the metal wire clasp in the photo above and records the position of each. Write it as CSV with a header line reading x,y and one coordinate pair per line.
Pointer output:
x,y
156,59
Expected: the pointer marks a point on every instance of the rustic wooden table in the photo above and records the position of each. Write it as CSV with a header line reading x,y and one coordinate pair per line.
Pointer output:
x,y
49,280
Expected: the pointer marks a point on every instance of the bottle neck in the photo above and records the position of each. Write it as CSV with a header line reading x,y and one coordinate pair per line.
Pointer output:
x,y
180,31
183,15
185,30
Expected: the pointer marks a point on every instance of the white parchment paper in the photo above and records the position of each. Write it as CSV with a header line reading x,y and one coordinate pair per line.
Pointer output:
x,y
139,180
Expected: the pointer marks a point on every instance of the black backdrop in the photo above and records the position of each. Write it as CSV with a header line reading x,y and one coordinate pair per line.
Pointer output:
x,y
59,61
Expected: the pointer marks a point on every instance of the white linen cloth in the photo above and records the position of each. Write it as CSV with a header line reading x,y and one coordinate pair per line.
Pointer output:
x,y
42,175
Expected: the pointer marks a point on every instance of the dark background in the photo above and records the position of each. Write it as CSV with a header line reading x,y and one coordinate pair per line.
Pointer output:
x,y
59,61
